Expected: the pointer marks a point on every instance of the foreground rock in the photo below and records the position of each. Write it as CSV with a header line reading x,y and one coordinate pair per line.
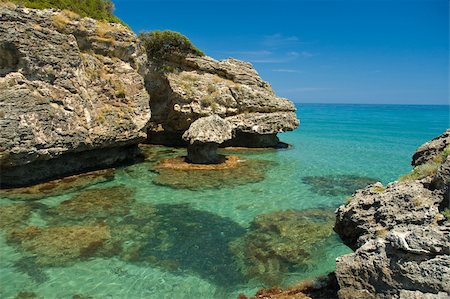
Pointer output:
x,y
402,241
204,137
184,89
71,97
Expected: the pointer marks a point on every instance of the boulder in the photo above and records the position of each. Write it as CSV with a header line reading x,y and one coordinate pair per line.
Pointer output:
x,y
71,96
204,137
401,241
184,89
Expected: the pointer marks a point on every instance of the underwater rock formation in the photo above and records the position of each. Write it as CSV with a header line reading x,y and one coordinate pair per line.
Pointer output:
x,y
324,287
183,89
14,216
93,205
60,245
280,241
59,186
402,241
233,172
71,97
204,136
335,185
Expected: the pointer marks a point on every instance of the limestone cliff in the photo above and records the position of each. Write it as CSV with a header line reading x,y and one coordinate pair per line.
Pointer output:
x,y
184,89
71,97
402,241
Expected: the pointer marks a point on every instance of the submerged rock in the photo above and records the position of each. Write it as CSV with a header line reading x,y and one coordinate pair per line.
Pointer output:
x,y
184,89
71,97
335,185
61,245
204,137
402,241
234,172
93,205
280,241
14,216
60,186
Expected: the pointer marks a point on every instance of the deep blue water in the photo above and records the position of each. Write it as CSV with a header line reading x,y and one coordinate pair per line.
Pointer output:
x,y
182,236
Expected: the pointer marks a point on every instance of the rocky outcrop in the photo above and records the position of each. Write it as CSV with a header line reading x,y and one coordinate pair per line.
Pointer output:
x,y
184,89
204,137
427,151
71,96
402,241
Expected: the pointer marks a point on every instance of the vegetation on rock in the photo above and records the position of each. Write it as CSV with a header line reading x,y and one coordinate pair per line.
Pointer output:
x,y
96,9
429,168
161,44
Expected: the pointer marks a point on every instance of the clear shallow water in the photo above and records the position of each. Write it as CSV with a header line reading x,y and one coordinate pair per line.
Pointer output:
x,y
176,242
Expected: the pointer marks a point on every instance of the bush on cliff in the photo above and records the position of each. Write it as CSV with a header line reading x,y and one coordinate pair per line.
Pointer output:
x,y
161,44
96,9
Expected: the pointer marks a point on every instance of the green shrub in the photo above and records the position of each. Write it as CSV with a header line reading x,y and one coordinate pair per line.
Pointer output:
x,y
160,44
96,9
419,172
446,213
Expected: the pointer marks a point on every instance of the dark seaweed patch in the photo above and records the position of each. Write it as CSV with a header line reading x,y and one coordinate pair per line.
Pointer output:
x,y
336,185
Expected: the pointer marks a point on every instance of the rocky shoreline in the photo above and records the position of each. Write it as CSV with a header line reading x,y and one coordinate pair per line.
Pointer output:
x,y
78,94
400,236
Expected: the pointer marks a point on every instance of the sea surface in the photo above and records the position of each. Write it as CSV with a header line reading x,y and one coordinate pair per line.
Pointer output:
x,y
151,233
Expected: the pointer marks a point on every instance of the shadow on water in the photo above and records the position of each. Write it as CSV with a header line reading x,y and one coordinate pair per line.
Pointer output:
x,y
194,241
336,185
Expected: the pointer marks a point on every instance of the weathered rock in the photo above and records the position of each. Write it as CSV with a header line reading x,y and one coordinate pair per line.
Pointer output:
x,y
402,243
375,210
204,137
428,150
183,90
69,87
441,181
411,258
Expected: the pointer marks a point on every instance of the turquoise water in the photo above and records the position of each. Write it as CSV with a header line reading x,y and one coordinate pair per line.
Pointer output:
x,y
193,242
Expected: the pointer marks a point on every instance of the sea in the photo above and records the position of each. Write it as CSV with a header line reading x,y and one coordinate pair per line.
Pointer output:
x,y
147,232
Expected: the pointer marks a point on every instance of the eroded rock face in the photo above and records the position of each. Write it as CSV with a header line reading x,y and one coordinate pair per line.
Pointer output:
x,y
68,86
427,151
204,137
185,89
401,239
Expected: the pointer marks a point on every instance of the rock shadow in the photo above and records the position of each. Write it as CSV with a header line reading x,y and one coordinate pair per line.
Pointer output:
x,y
190,240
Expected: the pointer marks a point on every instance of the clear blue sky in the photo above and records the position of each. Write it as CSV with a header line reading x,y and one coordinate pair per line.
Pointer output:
x,y
337,51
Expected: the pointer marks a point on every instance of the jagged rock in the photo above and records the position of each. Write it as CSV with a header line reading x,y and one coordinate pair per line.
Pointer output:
x,y
374,210
68,86
402,243
194,87
382,267
441,181
204,137
427,151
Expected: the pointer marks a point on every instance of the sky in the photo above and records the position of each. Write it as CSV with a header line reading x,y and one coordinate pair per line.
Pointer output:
x,y
335,51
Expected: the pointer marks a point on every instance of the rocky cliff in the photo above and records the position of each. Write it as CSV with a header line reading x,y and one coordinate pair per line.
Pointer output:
x,y
402,240
184,89
71,96
76,93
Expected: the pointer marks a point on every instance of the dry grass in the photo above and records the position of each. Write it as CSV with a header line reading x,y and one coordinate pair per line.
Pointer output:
x,y
62,19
